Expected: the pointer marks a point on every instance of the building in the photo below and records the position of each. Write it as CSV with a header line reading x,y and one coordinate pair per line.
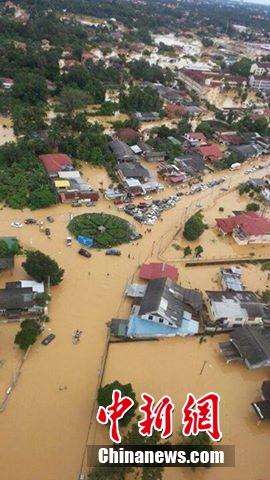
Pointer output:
x,y
231,279
55,163
7,83
195,138
261,84
174,110
249,344
210,153
229,138
150,154
246,228
127,135
230,309
192,164
152,271
146,117
122,151
135,170
169,304
258,69
243,152
19,298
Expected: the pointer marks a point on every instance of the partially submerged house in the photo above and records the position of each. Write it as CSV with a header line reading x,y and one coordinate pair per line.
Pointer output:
x,y
150,154
249,344
161,309
192,164
229,308
122,151
20,298
246,228
231,279
195,138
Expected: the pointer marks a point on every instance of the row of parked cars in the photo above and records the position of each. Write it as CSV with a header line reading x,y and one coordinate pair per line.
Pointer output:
x,y
254,168
206,186
148,213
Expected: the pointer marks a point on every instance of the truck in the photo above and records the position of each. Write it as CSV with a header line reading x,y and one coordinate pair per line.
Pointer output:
x,y
235,166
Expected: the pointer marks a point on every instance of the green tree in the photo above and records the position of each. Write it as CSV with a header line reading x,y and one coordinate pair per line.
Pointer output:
x,y
241,67
30,88
205,128
42,268
27,335
194,227
187,251
252,207
265,296
198,250
72,99
104,398
41,198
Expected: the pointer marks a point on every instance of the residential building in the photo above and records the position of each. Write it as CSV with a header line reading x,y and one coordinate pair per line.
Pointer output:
x,y
243,152
135,170
192,164
19,298
249,344
246,228
195,138
150,154
122,151
169,304
231,279
230,309
152,271
210,153
55,163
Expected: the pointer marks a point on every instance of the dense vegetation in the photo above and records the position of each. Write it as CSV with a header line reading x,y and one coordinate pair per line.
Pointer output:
x,y
104,398
27,335
105,230
24,182
194,227
42,268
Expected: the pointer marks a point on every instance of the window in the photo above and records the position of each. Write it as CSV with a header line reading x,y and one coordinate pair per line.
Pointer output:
x,y
150,317
161,320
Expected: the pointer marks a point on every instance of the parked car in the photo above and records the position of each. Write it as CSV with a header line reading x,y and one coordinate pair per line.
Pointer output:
x,y
16,224
90,204
76,204
48,339
50,219
30,221
84,253
47,232
113,252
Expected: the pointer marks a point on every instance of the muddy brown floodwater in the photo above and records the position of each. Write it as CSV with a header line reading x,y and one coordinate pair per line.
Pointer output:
x,y
43,430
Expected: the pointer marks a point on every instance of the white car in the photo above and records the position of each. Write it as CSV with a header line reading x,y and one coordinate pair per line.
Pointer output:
x,y
147,197
16,224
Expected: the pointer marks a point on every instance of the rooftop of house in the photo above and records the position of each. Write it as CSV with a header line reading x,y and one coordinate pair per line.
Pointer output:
x,y
250,224
191,163
133,170
253,344
16,298
231,137
55,162
127,133
210,151
196,136
122,151
158,270
165,295
236,304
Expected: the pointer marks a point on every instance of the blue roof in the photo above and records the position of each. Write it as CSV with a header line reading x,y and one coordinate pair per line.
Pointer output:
x,y
139,327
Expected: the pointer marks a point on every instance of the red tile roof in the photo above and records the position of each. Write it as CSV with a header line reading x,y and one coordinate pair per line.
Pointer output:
x,y
158,270
250,223
232,138
127,133
172,109
210,151
54,162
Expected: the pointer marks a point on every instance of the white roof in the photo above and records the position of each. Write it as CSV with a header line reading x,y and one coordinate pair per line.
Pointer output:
x,y
133,182
136,149
72,174
36,286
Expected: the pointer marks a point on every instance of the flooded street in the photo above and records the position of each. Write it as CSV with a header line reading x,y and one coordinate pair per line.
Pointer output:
x,y
44,430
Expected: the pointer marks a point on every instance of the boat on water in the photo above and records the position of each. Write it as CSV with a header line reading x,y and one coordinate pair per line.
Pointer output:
x,y
76,336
